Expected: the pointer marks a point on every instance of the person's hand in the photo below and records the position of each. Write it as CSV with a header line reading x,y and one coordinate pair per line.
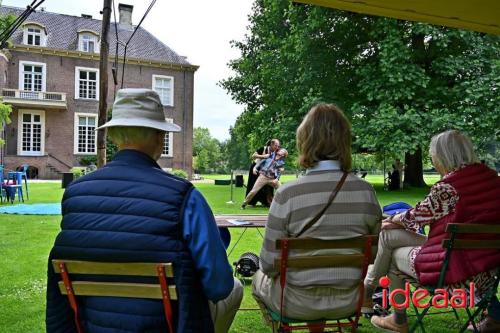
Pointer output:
x,y
275,182
392,222
393,218
266,155
254,171
391,225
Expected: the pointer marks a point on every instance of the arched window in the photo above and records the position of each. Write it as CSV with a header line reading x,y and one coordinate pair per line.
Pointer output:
x,y
34,34
88,41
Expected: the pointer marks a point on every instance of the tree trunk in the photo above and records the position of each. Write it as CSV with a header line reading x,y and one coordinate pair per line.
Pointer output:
x,y
414,174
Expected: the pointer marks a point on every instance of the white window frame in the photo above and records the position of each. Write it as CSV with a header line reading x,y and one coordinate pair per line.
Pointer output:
x,y
77,82
75,132
84,37
21,73
170,141
171,78
43,36
20,114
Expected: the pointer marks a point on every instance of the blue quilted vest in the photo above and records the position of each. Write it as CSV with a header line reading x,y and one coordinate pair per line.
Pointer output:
x,y
128,211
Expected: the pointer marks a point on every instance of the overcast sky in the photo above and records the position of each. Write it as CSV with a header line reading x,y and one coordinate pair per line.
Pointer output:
x,y
198,29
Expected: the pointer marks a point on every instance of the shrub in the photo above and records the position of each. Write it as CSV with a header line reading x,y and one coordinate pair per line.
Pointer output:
x,y
77,172
88,160
180,173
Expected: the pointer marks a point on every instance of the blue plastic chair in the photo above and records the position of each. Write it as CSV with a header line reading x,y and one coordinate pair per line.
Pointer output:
x,y
3,191
25,176
15,182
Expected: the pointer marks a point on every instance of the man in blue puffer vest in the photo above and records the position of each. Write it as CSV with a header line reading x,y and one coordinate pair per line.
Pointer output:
x,y
132,211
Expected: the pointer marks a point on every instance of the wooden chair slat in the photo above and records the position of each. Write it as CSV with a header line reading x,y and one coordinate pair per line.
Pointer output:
x,y
118,289
345,260
471,228
472,244
315,244
107,268
308,261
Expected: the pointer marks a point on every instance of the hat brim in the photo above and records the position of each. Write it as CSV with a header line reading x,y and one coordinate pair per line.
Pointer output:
x,y
159,125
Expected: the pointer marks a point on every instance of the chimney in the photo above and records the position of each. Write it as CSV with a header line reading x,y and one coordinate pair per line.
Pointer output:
x,y
125,15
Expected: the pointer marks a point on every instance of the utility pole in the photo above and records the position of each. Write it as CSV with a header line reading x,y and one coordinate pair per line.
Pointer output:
x,y
103,84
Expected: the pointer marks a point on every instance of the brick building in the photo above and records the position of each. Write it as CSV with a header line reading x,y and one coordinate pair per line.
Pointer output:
x,y
50,76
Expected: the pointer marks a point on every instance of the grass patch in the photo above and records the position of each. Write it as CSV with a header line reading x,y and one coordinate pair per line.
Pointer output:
x,y
26,242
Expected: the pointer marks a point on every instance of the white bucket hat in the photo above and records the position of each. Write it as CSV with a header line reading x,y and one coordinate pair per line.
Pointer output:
x,y
139,108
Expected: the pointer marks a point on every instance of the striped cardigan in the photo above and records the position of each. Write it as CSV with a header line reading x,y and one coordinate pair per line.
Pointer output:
x,y
354,212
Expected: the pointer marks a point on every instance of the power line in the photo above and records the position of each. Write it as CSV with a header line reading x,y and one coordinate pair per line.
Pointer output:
x,y
130,38
114,69
7,33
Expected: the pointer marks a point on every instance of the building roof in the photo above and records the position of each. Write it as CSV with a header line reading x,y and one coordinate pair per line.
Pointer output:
x,y
62,33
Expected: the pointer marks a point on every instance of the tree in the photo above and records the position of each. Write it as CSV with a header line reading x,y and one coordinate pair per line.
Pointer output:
x,y
399,82
5,109
6,20
291,58
206,151
421,80
237,151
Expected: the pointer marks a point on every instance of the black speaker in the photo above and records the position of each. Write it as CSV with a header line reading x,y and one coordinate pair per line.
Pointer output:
x,y
67,178
238,181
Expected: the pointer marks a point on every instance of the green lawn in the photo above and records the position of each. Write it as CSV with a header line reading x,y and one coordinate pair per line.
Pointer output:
x,y
26,241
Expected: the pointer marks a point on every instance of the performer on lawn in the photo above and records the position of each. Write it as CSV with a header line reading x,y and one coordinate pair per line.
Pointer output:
x,y
265,195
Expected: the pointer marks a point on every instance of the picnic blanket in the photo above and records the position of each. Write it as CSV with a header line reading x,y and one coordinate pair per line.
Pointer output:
x,y
34,209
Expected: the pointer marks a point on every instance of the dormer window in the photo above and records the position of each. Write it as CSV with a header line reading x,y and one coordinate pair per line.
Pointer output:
x,y
88,42
34,35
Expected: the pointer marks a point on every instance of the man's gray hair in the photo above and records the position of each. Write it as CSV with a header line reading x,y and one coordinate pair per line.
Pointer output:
x,y
121,135
452,149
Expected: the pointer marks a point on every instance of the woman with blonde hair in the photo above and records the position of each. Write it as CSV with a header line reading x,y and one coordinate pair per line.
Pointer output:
x,y
468,192
324,146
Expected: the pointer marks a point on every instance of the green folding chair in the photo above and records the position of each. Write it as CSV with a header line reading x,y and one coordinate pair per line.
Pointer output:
x,y
450,244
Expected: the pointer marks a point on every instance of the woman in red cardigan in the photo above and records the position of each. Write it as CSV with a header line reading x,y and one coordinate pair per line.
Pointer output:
x,y
468,192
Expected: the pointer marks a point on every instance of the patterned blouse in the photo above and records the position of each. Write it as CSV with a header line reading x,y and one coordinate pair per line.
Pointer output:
x,y
439,202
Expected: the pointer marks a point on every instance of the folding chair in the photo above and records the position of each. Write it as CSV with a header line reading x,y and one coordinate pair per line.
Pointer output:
x,y
25,169
473,244
361,261
455,229
420,315
3,191
15,183
73,288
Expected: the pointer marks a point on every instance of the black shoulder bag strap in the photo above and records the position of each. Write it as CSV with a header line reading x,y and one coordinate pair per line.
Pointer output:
x,y
332,197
